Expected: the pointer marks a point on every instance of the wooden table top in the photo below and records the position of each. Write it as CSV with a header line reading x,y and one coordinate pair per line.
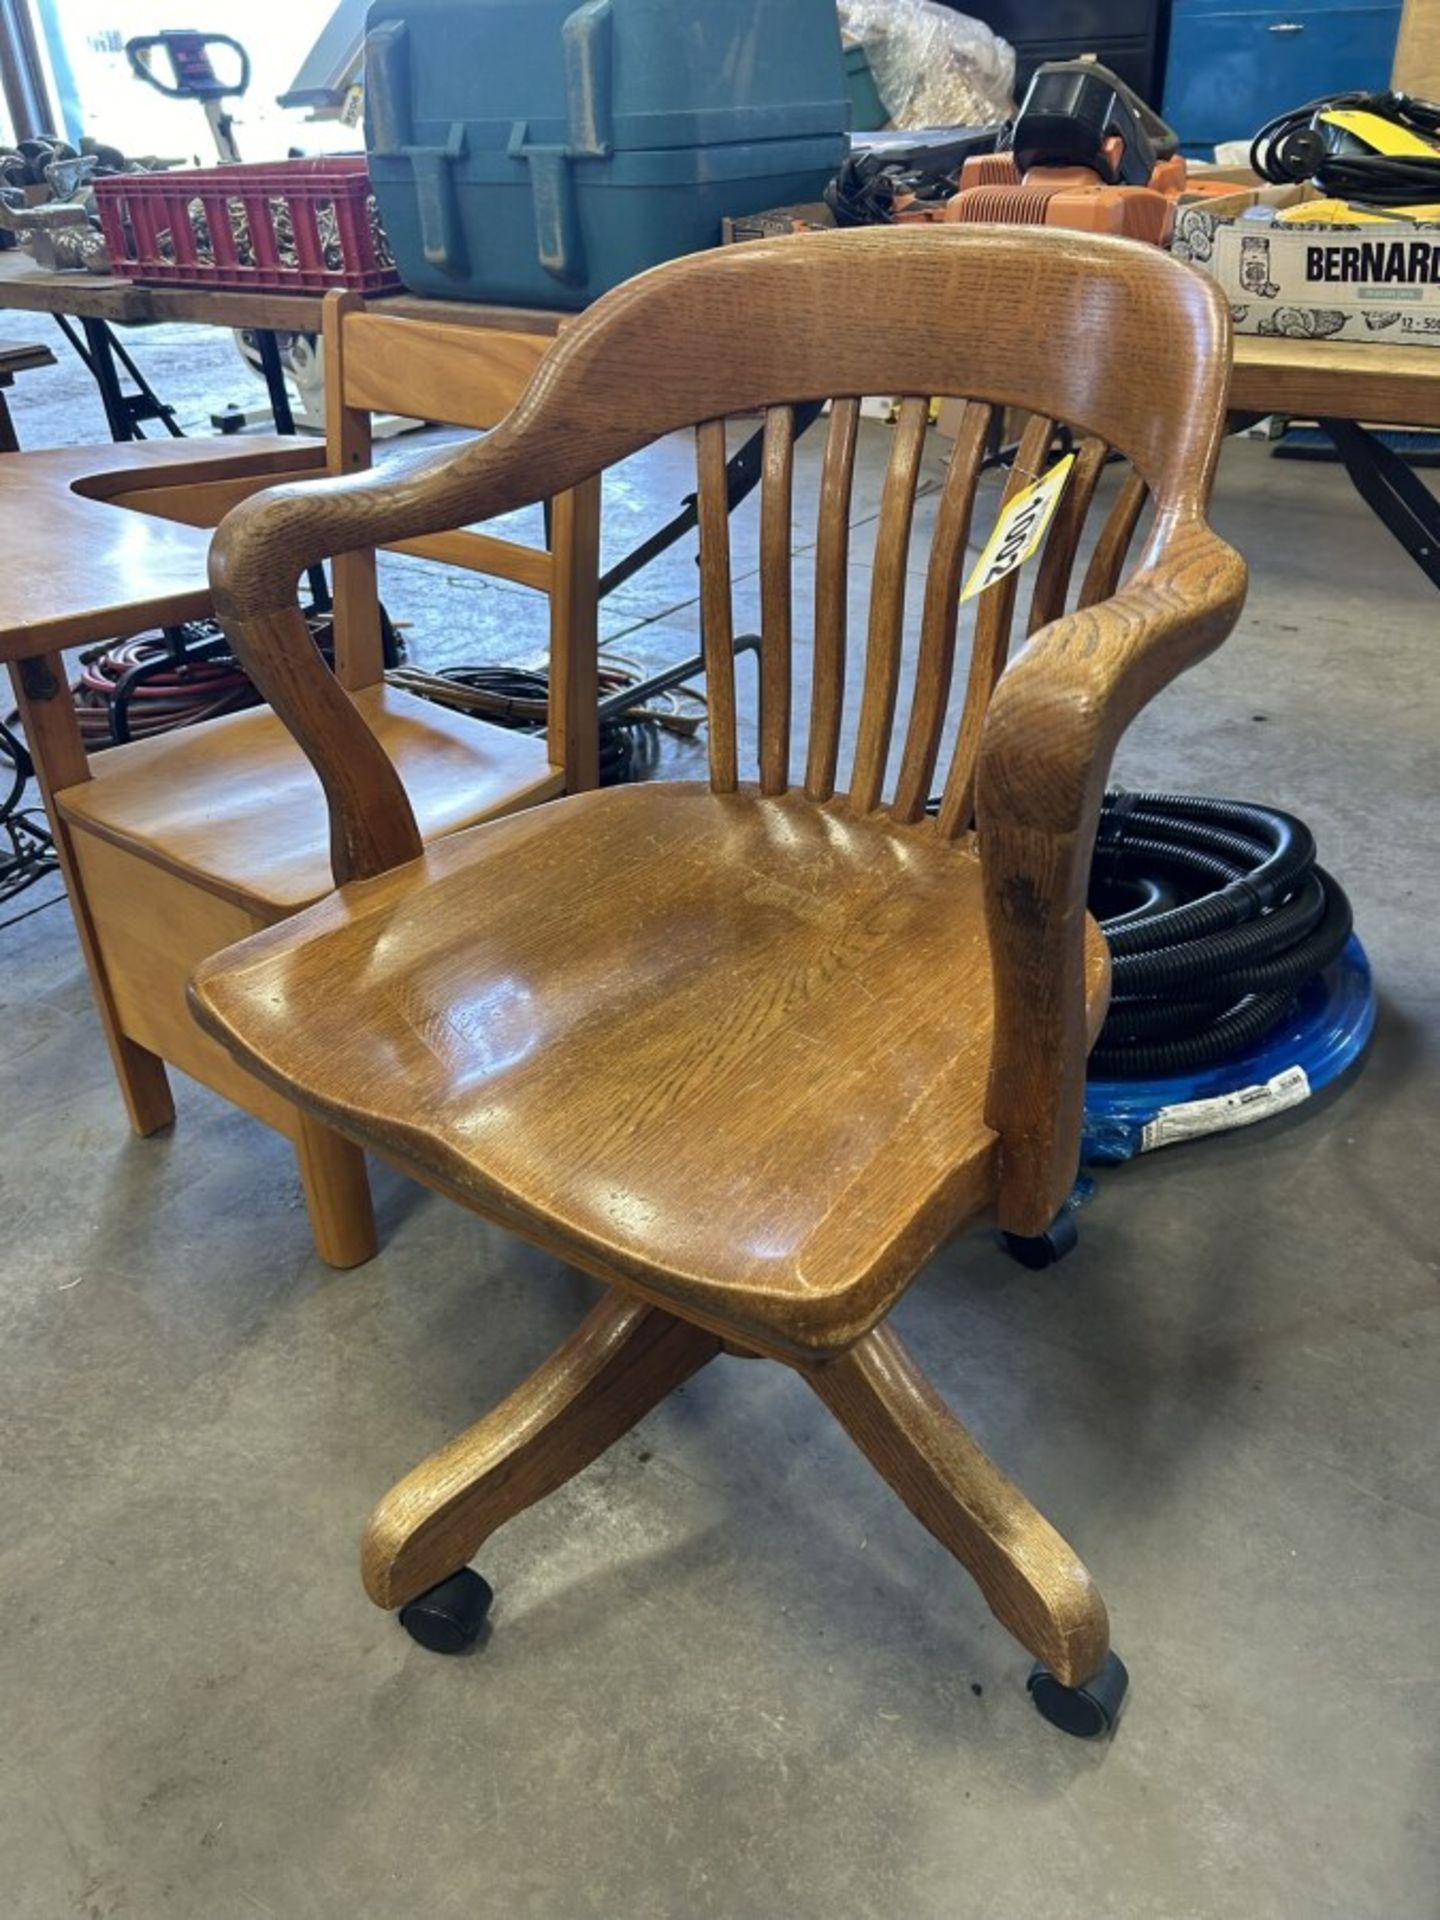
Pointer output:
x,y
1350,380
1355,381
79,565
27,288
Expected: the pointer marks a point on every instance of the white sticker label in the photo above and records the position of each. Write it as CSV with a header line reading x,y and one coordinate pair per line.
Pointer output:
x,y
1330,268
1019,529
1193,1118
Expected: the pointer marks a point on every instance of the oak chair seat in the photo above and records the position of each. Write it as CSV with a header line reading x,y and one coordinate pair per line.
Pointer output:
x,y
739,1056
235,807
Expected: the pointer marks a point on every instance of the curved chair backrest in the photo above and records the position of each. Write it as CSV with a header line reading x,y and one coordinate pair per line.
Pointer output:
x,y
1111,339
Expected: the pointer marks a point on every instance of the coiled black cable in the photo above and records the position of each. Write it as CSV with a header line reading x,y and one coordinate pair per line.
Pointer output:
x,y
1289,149
1216,915
518,697
14,756
27,853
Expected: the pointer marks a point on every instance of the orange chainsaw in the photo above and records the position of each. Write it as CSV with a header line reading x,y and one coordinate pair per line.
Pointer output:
x,y
1085,151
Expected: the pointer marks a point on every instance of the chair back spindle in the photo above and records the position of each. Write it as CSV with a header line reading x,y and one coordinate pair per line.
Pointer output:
x,y
832,599
716,617
1057,561
865,787
887,607
935,667
776,540
1107,562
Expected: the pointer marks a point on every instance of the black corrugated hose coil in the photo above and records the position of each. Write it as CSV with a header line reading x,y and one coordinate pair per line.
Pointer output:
x,y
1216,915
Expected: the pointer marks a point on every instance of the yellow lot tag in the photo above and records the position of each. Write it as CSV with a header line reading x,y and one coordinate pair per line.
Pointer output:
x,y
1019,529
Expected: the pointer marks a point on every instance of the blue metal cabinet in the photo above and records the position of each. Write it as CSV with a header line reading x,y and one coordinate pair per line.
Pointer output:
x,y
1231,68
1126,35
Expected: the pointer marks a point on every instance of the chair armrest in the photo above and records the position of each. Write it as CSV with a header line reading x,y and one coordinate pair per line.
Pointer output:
x,y
263,546
266,542
1050,735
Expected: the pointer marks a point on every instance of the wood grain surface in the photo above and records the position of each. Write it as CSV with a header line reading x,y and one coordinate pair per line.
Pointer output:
x,y
749,1052
175,846
1033,1581
720,333
1341,379
102,571
235,806
24,287
621,1362
733,1049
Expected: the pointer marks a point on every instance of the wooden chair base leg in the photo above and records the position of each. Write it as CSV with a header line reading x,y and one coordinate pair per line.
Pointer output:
x,y
618,1364
144,1085
1031,1579
337,1195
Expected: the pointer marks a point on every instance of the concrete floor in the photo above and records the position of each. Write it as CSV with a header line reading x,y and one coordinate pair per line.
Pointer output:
x,y
729,1676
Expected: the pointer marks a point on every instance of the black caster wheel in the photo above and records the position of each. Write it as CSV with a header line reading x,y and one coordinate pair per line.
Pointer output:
x,y
1044,1249
1088,1711
449,1617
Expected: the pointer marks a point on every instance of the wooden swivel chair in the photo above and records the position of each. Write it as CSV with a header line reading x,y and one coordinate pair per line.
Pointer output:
x,y
828,1030
176,846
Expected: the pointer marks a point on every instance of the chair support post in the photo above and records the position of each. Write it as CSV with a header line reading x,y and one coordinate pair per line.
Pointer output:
x,y
1032,1580
622,1361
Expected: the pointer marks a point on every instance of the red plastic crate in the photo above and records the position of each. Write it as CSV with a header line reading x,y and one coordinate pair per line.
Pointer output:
x,y
200,210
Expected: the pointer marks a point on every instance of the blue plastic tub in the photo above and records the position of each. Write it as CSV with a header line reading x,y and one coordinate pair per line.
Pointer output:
x,y
1328,1030
537,153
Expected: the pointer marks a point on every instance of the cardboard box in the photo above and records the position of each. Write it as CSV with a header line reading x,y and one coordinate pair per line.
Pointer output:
x,y
948,417
1314,280
1417,50
1238,175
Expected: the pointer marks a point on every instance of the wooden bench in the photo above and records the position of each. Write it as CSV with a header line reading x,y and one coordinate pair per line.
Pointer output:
x,y
175,846
13,360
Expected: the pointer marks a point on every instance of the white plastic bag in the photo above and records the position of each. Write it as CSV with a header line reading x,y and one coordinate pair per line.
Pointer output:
x,y
932,67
